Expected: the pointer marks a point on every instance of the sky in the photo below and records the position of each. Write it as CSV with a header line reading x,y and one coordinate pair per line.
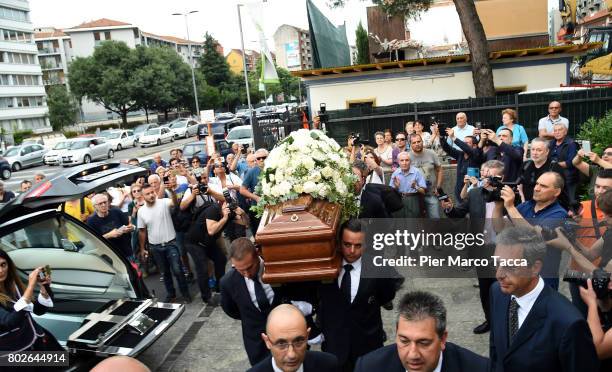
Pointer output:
x,y
218,17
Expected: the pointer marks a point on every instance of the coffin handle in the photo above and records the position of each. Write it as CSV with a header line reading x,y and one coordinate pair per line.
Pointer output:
x,y
294,217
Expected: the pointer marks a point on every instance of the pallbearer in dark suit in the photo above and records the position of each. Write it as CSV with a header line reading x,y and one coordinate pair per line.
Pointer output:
x,y
286,337
533,327
421,342
349,308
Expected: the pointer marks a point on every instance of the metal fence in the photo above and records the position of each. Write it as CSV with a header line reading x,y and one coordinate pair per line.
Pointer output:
x,y
578,107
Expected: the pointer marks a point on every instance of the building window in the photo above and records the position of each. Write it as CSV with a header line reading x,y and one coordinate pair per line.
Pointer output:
x,y
13,14
29,101
107,35
19,36
6,102
136,36
5,79
96,36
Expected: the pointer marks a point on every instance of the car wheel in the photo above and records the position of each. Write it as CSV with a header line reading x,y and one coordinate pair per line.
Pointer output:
x,y
6,174
119,147
135,143
16,167
111,154
158,142
87,159
172,139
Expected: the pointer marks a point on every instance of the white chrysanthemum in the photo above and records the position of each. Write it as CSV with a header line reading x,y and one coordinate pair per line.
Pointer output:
x,y
308,162
266,188
327,172
315,176
310,187
298,187
323,191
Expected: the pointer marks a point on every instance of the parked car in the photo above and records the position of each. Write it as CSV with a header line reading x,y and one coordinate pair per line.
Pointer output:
x,y
156,136
53,156
139,130
119,139
220,128
5,169
102,306
199,149
25,155
183,128
86,150
242,135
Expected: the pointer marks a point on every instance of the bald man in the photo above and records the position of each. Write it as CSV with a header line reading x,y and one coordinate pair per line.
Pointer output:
x,y
120,363
286,337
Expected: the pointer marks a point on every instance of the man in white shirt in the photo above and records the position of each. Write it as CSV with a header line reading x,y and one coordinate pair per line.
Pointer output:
x,y
462,129
155,227
533,327
546,124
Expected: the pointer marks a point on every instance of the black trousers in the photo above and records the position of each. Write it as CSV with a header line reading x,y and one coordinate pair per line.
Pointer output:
x,y
486,276
200,255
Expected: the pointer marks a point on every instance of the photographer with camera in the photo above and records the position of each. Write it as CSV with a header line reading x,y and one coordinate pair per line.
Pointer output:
x,y
601,331
468,156
543,210
596,163
479,206
227,185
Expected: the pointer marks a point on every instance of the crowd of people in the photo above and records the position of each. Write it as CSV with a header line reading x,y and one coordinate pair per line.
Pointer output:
x,y
523,194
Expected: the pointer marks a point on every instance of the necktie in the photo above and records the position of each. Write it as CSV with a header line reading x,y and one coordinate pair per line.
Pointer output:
x,y
345,285
512,319
260,295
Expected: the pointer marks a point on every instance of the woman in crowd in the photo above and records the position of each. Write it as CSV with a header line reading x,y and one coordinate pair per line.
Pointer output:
x,y
19,330
385,153
135,204
419,128
376,174
223,180
519,136
409,128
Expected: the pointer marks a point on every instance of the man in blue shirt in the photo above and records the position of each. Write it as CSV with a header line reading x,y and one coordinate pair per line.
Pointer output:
x,y
411,183
250,181
543,210
461,130
158,162
562,151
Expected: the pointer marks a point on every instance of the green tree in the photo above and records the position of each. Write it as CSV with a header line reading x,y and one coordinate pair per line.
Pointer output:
x,y
482,75
363,48
213,65
62,108
106,77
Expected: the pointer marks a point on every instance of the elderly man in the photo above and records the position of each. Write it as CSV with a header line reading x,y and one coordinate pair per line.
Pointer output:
x,y
250,181
421,342
533,168
39,177
5,195
286,337
461,130
157,162
533,327
112,224
563,149
511,156
545,125
411,184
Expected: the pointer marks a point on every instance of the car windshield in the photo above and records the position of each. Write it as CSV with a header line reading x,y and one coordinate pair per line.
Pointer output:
x,y
12,151
189,150
241,133
112,135
178,124
78,145
140,128
86,272
152,132
61,145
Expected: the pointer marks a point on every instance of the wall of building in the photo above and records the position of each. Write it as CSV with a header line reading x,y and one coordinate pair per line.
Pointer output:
x,y
286,39
234,59
502,18
412,85
83,43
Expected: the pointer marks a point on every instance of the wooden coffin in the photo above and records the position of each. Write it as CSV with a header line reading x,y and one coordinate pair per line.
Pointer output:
x,y
298,240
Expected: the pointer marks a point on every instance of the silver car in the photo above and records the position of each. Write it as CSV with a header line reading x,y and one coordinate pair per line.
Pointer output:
x,y
25,155
86,150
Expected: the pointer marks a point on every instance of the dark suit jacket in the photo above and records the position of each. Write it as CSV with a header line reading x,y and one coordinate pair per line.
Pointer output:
x,y
553,337
314,361
236,303
18,329
474,160
454,359
372,204
354,329
475,206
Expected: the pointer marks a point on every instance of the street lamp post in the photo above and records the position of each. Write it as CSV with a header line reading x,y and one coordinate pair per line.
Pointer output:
x,y
195,91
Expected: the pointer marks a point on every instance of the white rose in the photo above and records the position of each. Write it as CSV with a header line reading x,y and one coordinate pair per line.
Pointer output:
x,y
299,188
340,187
308,162
310,187
266,188
323,191
280,177
271,176
327,172
315,176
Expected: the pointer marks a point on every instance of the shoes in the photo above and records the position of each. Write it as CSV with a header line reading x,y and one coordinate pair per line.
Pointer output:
x,y
483,328
388,306
186,299
170,299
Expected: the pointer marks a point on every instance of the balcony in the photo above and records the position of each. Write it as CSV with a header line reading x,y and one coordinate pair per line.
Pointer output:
x,y
45,51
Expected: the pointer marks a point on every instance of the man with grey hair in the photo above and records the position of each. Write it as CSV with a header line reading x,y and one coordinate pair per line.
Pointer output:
x,y
249,183
461,130
563,149
411,184
421,342
545,125
533,168
533,327
111,224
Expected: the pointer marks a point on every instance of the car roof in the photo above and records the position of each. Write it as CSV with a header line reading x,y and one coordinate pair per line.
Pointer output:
x,y
241,127
74,183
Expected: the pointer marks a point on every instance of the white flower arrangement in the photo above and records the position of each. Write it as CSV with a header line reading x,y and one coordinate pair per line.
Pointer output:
x,y
308,162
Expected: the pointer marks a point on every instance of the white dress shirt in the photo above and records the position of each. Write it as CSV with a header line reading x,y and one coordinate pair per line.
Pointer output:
x,y
355,276
21,304
526,301
276,369
266,287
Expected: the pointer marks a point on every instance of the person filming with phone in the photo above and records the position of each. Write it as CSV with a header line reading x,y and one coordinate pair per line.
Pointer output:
x,y
18,329
112,224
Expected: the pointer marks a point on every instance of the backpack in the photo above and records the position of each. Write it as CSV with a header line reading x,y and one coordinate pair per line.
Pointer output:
x,y
390,196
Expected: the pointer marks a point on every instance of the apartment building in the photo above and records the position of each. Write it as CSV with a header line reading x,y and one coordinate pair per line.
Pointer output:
x,y
236,63
293,48
22,94
54,55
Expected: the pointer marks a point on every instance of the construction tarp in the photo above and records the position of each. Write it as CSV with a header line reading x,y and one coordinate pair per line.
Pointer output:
x,y
329,44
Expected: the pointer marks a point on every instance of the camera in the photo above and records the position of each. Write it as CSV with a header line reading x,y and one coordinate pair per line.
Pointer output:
x,y
569,229
231,203
441,194
356,138
203,188
244,148
495,194
323,116
599,279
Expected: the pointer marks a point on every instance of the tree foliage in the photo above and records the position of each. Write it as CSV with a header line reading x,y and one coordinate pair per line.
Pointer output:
x,y
363,48
213,65
62,108
407,8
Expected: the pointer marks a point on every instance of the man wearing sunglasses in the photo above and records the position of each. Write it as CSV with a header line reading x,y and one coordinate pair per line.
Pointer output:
x,y
247,189
545,125
401,145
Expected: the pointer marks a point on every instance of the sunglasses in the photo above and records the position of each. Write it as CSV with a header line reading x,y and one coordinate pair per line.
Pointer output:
x,y
607,153
262,158
400,139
